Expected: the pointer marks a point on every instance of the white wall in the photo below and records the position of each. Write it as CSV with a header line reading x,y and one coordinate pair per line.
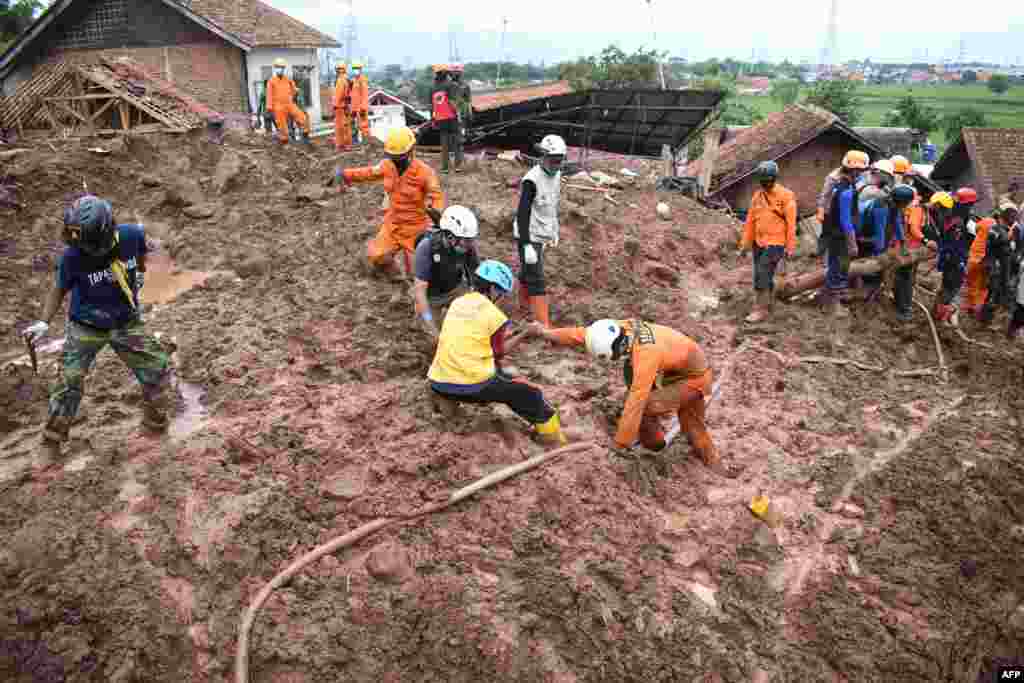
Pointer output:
x,y
264,57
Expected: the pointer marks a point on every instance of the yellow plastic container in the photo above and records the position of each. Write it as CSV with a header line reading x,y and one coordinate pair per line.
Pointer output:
x,y
763,510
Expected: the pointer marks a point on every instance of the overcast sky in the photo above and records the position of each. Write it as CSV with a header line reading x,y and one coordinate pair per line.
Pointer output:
x,y
556,30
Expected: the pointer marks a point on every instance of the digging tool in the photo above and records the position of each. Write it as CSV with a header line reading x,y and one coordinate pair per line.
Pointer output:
x,y
32,355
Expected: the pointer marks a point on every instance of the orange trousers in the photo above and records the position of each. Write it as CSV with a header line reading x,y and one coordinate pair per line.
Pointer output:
x,y
977,286
390,239
686,399
363,121
342,129
281,116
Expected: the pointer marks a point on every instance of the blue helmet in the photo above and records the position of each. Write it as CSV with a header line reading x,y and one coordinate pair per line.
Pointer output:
x,y
90,221
497,273
768,169
903,194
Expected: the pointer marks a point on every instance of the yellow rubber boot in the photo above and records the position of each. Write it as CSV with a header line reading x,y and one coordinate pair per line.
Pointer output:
x,y
550,432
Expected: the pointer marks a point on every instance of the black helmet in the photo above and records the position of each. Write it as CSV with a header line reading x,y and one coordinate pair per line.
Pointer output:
x,y
90,221
767,169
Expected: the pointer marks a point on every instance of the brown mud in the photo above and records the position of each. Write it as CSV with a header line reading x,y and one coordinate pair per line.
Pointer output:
x,y
302,414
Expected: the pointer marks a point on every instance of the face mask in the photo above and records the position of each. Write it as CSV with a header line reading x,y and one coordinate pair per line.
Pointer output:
x,y
767,183
279,71
401,163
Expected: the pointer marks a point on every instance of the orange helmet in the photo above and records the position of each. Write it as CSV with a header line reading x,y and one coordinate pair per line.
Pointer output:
x,y
901,164
440,68
856,160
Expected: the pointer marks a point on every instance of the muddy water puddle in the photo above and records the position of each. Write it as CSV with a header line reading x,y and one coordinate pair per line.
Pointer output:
x,y
165,281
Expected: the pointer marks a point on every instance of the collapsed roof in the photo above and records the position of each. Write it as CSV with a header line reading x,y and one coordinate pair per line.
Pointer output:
x,y
631,122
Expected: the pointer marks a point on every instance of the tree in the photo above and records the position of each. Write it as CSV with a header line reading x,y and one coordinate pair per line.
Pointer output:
x,y
969,117
785,92
16,17
911,114
840,97
999,83
613,68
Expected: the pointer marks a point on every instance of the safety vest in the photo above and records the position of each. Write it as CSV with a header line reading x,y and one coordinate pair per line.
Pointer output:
x,y
464,352
447,269
443,109
544,214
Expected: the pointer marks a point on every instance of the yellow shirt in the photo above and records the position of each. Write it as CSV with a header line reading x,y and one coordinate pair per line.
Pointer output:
x,y
464,353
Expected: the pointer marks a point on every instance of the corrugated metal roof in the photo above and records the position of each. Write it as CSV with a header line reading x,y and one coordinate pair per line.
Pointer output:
x,y
631,122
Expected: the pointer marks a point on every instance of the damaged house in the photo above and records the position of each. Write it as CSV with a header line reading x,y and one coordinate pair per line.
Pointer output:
x,y
987,159
219,51
806,141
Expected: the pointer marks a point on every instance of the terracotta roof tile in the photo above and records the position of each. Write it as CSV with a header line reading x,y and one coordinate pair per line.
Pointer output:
x,y
768,140
502,98
260,25
997,154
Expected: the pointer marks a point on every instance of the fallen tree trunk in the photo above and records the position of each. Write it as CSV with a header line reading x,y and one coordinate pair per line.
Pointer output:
x,y
865,266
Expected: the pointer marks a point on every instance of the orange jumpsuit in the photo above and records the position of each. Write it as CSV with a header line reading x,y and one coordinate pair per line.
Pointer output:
x,y
977,272
409,194
281,93
342,115
913,219
670,375
361,104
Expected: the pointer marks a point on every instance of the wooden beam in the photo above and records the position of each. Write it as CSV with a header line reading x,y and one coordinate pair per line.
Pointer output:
x,y
69,110
126,122
616,107
71,98
712,138
98,112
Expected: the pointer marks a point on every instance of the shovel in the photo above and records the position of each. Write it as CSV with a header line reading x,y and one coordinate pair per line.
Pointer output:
x,y
32,355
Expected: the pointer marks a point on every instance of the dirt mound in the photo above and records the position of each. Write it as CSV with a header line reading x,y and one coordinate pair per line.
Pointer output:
x,y
303,414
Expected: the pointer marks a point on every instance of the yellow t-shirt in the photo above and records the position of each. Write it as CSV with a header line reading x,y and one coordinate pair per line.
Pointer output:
x,y
464,353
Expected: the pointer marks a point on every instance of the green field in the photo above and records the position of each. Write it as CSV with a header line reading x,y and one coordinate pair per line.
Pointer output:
x,y
1003,111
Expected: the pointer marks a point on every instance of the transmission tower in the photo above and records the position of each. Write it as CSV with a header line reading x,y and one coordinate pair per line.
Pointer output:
x,y
453,44
832,46
349,35
501,57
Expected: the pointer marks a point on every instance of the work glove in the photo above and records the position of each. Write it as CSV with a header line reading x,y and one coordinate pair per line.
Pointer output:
x,y
852,249
530,255
35,331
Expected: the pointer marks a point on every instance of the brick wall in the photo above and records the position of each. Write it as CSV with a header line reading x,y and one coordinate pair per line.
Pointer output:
x,y
803,172
211,71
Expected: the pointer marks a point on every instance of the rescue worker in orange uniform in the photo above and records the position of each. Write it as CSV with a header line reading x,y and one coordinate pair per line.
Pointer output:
x,y
342,111
977,269
668,378
771,231
281,92
415,199
361,101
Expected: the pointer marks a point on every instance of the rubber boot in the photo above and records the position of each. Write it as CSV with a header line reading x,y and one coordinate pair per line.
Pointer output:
x,y
550,432
306,139
539,306
760,310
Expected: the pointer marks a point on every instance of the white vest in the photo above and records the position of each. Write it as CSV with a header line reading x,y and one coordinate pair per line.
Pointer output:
x,y
544,215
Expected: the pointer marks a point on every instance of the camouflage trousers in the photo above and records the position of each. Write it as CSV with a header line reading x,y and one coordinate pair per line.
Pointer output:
x,y
138,350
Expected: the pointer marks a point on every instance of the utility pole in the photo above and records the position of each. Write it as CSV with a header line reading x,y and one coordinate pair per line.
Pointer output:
x,y
348,35
501,57
654,32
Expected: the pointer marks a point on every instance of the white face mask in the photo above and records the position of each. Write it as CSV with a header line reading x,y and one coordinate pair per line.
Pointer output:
x,y
279,71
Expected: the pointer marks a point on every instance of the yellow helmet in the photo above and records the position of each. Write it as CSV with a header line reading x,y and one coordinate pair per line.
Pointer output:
x,y
342,66
400,141
280,62
856,160
943,199
357,65
900,163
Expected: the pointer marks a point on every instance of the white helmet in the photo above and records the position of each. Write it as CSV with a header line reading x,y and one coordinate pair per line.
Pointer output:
x,y
459,221
552,144
601,336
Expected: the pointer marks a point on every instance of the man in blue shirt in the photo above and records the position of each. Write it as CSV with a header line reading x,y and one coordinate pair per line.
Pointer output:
x,y
103,268
880,225
838,230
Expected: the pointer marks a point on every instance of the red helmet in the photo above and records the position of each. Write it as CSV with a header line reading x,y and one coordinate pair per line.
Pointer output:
x,y
966,195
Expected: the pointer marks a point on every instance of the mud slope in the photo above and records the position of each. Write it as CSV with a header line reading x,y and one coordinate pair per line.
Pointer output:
x,y
302,414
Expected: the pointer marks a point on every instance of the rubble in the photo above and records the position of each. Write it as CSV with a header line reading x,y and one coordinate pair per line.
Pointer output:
x,y
606,564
